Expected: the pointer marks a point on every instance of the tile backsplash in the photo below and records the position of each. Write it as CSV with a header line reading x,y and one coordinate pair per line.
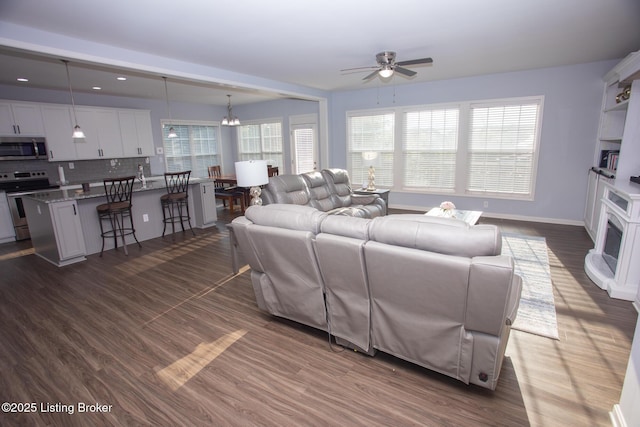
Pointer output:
x,y
83,170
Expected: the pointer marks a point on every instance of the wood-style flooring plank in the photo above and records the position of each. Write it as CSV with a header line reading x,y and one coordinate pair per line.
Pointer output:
x,y
168,336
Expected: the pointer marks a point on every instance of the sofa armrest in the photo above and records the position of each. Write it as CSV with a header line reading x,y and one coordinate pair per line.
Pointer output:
x,y
493,294
364,199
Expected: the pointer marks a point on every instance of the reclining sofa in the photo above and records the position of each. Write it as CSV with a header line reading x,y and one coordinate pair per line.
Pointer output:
x,y
433,291
328,191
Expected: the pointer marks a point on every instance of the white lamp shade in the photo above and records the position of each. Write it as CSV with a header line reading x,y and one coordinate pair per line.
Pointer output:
x,y
252,173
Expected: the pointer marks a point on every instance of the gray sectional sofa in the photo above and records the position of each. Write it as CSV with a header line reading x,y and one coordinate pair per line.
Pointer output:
x,y
328,190
432,291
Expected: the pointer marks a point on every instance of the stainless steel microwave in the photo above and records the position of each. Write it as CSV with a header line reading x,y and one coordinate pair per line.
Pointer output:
x,y
22,148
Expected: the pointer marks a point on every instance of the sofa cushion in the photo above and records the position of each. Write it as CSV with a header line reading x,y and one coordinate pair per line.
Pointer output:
x,y
442,235
338,180
320,193
354,227
292,217
288,189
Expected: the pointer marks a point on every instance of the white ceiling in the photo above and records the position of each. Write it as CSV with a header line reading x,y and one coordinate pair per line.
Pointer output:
x,y
307,43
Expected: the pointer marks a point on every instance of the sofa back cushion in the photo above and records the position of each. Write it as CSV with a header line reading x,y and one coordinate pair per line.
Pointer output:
x,y
292,217
289,189
281,239
320,193
338,180
441,235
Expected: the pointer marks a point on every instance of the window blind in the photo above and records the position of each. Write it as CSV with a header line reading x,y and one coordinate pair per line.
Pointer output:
x,y
371,143
195,148
261,141
502,148
303,140
430,141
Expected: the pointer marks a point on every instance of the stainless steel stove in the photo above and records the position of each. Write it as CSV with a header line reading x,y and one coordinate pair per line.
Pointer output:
x,y
16,184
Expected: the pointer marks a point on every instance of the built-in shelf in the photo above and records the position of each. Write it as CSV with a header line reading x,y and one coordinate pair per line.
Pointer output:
x,y
621,106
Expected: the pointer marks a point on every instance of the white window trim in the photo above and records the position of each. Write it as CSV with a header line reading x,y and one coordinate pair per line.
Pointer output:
x,y
261,122
463,141
216,124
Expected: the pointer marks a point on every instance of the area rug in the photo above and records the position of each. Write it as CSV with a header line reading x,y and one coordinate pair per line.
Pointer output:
x,y
537,311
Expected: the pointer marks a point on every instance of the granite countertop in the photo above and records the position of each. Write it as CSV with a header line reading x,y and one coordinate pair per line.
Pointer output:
x,y
74,192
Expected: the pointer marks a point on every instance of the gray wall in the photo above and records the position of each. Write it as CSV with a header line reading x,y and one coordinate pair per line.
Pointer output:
x,y
573,97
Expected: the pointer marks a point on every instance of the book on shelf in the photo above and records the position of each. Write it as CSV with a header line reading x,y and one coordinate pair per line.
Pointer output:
x,y
609,159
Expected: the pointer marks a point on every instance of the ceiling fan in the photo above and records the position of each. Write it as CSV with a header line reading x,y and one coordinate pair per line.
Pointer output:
x,y
387,65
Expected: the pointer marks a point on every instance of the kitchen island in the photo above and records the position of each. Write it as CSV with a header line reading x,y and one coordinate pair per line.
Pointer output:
x,y
65,228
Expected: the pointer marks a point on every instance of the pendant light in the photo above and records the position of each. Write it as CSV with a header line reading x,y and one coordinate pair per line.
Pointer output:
x,y
172,131
77,131
230,120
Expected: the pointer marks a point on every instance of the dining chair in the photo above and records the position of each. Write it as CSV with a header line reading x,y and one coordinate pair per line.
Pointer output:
x,y
273,171
226,193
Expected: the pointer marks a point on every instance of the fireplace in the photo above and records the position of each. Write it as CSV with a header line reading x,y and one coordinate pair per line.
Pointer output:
x,y
610,264
612,242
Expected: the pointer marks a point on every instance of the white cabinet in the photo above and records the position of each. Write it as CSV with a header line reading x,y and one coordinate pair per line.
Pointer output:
x,y
7,232
68,230
20,119
205,205
109,132
135,129
102,134
58,128
56,230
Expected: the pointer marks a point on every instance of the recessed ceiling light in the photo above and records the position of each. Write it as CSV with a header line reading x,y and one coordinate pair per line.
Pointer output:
x,y
96,88
121,78
22,79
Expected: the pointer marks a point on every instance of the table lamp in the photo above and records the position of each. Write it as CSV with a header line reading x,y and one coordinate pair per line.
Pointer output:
x,y
252,173
373,160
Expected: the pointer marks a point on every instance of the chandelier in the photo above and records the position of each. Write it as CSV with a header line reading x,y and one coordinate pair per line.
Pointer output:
x,y
230,119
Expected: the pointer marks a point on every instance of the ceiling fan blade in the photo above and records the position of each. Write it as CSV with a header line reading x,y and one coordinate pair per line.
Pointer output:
x,y
406,72
371,75
415,62
358,68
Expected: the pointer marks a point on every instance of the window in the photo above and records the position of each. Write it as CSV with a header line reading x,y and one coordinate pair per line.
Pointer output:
x,y
195,149
371,143
261,141
502,149
430,141
470,148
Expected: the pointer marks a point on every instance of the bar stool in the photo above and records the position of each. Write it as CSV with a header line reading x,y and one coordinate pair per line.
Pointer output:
x,y
176,201
117,210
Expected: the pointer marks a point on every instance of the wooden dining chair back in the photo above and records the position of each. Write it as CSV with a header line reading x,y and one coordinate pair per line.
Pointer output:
x,y
226,193
273,171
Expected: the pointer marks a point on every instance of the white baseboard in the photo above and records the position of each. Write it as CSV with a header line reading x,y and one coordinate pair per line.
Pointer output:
x,y
616,417
505,216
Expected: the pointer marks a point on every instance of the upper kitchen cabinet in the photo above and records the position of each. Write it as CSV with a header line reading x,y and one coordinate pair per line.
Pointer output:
x,y
102,134
135,129
17,118
58,128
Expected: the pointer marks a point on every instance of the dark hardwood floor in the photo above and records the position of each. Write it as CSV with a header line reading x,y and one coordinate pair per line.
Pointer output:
x,y
167,336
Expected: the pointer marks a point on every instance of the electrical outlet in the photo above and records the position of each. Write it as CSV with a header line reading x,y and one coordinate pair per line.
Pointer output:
x,y
485,204
145,217
71,165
